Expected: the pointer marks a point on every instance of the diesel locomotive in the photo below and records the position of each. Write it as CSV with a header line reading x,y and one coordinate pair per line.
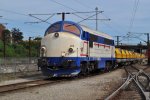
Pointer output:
x,y
69,49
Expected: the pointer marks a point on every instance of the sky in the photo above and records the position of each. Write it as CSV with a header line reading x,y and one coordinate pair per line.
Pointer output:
x,y
126,16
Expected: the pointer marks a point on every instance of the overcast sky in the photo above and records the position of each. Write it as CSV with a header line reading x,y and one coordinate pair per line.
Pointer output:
x,y
15,13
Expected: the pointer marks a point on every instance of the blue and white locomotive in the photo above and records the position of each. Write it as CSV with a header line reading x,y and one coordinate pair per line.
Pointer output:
x,y
71,49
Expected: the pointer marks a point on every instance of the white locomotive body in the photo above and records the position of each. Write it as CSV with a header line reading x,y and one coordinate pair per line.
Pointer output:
x,y
69,49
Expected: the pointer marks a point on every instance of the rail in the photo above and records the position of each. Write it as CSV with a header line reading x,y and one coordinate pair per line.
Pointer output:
x,y
133,77
23,85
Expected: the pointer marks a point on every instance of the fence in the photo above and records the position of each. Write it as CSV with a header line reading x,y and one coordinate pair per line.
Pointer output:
x,y
17,67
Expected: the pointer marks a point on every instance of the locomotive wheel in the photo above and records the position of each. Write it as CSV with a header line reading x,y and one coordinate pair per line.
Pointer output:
x,y
92,67
108,66
88,68
116,65
83,68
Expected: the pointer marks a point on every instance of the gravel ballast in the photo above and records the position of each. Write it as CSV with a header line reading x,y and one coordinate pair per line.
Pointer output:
x,y
90,88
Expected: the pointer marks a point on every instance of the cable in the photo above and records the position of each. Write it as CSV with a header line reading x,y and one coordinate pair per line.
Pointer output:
x,y
136,5
4,10
88,17
49,17
108,25
66,6
63,5
77,15
39,19
83,4
114,23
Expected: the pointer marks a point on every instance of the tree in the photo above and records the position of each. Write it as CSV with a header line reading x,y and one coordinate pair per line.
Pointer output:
x,y
16,35
2,27
5,39
6,36
38,38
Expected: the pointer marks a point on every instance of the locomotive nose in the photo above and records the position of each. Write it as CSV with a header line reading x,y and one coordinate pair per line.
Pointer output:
x,y
60,44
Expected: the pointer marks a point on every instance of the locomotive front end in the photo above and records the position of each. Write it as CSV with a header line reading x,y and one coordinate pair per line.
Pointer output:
x,y
60,50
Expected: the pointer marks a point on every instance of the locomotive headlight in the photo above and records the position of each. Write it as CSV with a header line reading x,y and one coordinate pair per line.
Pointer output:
x,y
43,51
70,50
56,34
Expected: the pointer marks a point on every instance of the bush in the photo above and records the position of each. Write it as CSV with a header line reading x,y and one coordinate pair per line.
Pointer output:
x,y
20,50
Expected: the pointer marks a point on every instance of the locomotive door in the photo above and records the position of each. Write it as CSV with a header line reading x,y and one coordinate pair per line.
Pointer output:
x,y
86,44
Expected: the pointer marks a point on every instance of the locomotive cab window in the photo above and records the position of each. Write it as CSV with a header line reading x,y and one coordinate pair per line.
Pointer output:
x,y
53,28
71,28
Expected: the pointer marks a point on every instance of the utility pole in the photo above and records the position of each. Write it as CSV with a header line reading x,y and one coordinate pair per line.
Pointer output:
x,y
96,19
148,48
30,49
148,44
118,40
4,45
96,10
63,15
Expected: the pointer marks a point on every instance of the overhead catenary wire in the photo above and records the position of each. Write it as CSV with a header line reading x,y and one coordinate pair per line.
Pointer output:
x,y
135,8
115,24
52,14
39,19
62,5
83,4
88,17
67,7
33,15
115,30
14,12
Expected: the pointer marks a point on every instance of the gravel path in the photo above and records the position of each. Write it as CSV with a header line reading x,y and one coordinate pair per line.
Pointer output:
x,y
90,88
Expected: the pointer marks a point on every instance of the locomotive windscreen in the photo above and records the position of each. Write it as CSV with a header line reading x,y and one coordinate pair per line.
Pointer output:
x,y
71,28
53,28
64,27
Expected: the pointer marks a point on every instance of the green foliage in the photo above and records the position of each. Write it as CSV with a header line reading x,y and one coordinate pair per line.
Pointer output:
x,y
10,52
6,36
1,48
16,35
21,49
18,47
38,38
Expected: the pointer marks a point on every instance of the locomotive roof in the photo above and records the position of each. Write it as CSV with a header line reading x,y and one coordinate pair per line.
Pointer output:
x,y
84,28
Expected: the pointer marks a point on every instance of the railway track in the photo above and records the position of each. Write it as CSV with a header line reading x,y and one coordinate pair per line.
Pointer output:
x,y
24,85
136,86
40,82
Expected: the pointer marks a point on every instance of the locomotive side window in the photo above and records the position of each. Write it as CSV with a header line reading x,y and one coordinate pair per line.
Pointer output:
x,y
108,42
53,28
92,38
71,28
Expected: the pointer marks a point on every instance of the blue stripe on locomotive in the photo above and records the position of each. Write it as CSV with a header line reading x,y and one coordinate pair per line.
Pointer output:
x,y
56,61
